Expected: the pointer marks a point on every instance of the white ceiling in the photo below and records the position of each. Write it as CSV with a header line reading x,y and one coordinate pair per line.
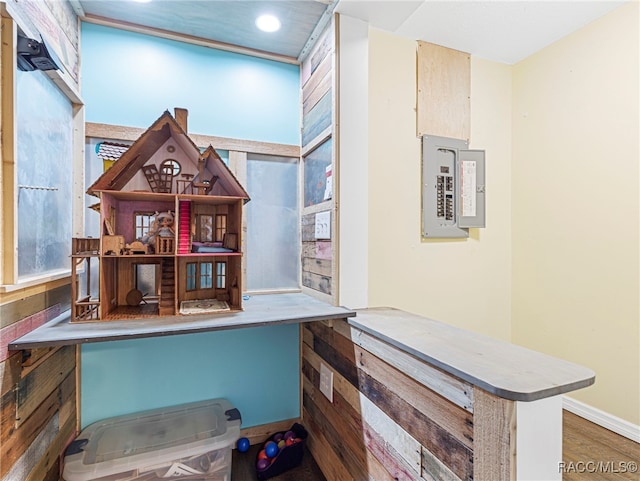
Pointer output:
x,y
503,31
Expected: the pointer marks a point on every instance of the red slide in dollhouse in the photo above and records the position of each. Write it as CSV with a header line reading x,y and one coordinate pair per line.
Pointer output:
x,y
171,225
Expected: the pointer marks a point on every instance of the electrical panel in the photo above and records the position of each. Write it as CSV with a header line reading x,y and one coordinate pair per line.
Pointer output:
x,y
453,188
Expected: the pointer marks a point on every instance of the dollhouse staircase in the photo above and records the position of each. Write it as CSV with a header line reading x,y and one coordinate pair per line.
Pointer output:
x,y
166,303
184,229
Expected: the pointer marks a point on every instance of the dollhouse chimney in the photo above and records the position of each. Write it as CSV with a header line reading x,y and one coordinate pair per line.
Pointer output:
x,y
181,117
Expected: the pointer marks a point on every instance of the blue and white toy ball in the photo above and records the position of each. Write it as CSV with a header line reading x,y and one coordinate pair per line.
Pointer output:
x,y
243,445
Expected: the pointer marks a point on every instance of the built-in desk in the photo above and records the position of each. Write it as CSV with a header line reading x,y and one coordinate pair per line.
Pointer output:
x,y
412,398
259,310
419,399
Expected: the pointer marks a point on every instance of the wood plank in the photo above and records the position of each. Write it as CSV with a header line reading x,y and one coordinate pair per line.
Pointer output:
x,y
444,90
323,70
52,455
328,461
445,446
16,440
401,445
315,90
494,447
448,386
322,267
34,388
452,418
316,282
29,303
345,430
318,118
434,470
22,327
35,452
131,134
9,238
322,48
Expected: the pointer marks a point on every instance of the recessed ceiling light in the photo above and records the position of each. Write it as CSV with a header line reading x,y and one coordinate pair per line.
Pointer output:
x,y
268,23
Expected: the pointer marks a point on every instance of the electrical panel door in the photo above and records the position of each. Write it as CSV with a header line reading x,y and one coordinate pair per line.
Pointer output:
x,y
453,188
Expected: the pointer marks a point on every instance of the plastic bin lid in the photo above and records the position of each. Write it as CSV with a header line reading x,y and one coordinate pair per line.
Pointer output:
x,y
151,438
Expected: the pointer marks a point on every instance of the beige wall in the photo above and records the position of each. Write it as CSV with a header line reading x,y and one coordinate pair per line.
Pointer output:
x,y
463,282
557,267
575,207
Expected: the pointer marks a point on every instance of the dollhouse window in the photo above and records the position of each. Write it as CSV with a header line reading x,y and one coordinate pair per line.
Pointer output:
x,y
206,271
191,276
206,227
143,221
221,227
221,275
170,166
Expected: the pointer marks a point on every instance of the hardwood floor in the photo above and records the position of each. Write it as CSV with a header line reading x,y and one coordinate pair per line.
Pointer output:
x,y
590,453
593,453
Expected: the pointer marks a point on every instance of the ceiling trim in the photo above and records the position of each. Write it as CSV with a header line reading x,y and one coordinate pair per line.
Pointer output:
x,y
157,32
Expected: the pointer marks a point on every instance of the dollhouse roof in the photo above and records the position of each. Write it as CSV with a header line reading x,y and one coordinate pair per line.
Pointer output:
x,y
142,150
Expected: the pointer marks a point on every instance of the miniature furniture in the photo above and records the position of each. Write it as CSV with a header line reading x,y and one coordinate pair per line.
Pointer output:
x,y
112,244
164,245
136,247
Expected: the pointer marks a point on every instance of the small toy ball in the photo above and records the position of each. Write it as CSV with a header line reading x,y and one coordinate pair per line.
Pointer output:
x,y
262,455
289,434
271,449
281,444
243,445
262,464
277,437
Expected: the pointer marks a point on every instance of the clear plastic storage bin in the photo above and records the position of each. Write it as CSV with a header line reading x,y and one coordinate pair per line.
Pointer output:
x,y
189,441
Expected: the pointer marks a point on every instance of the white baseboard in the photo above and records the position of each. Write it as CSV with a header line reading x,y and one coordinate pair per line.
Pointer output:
x,y
601,418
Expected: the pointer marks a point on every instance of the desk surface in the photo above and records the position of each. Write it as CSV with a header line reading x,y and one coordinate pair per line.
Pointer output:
x,y
501,368
259,310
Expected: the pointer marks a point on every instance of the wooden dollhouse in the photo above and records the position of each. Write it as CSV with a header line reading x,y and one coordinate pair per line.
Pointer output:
x,y
171,227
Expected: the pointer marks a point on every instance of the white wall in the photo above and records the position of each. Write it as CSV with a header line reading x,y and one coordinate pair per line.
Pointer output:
x,y
462,282
576,213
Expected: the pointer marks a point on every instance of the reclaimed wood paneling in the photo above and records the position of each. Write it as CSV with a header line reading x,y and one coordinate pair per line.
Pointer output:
x,y
396,417
318,110
38,412
444,92
494,434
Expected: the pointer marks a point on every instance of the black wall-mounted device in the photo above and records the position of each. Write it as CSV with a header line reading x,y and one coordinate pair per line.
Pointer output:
x,y
34,55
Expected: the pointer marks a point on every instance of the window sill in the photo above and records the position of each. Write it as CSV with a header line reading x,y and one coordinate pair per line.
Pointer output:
x,y
29,282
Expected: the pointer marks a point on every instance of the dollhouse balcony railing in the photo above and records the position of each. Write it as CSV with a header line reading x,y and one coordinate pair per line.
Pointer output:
x,y
165,245
87,310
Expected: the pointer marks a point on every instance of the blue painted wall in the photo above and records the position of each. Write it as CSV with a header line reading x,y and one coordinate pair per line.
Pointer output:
x,y
130,79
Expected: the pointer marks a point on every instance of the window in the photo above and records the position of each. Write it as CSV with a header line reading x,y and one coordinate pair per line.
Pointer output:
x,y
221,227
273,223
170,167
206,280
221,275
143,221
205,223
191,276
44,175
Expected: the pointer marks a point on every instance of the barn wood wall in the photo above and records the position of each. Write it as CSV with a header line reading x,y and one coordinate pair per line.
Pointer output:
x,y
38,411
394,417
317,80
